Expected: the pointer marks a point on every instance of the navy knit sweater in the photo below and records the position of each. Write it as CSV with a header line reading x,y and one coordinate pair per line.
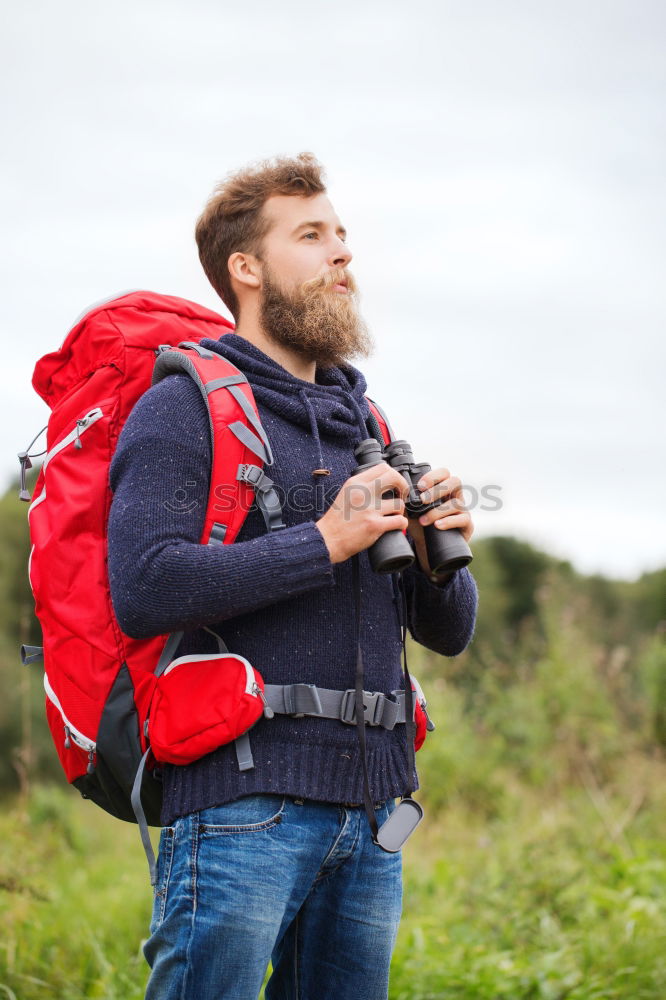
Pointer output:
x,y
274,598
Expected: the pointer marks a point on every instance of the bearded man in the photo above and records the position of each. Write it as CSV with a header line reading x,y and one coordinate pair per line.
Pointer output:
x,y
276,862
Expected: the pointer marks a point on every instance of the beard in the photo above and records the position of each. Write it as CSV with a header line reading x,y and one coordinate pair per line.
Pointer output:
x,y
315,322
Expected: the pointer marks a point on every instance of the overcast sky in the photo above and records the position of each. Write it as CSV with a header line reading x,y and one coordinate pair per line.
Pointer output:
x,y
500,170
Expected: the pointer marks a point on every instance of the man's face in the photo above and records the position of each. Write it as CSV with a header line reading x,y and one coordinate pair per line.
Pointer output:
x,y
309,301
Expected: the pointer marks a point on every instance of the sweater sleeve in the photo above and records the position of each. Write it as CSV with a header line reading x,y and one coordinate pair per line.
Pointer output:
x,y
441,616
162,579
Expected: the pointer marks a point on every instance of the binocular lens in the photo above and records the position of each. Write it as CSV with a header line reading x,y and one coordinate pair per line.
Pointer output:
x,y
391,553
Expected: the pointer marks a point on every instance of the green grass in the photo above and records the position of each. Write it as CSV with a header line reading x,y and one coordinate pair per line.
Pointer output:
x,y
547,905
75,902
558,896
539,872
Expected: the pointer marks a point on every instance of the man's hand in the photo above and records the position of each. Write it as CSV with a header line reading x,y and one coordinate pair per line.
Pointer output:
x,y
358,515
439,484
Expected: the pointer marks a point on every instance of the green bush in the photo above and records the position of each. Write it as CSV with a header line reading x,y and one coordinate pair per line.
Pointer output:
x,y
652,673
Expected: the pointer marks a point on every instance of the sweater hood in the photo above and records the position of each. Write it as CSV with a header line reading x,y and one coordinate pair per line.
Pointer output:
x,y
333,405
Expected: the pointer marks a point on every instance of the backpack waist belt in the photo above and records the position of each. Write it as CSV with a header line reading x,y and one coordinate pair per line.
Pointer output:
x,y
298,700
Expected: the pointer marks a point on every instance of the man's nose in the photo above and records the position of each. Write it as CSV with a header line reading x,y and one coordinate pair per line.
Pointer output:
x,y
340,254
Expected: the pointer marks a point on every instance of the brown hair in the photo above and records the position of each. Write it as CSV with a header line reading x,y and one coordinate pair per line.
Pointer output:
x,y
232,220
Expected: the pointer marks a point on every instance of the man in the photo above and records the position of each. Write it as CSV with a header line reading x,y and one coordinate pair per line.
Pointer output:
x,y
277,863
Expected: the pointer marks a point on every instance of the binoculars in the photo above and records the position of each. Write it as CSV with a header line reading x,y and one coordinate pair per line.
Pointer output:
x,y
391,553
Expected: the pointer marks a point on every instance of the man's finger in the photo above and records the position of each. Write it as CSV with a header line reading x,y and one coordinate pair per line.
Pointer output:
x,y
443,488
452,506
384,478
461,521
428,479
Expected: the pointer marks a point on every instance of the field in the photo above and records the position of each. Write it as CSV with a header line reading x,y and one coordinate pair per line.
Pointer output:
x,y
540,870
552,897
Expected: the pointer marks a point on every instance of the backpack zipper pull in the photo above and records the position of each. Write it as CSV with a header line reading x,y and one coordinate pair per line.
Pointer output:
x,y
80,424
68,741
268,711
430,725
24,459
91,757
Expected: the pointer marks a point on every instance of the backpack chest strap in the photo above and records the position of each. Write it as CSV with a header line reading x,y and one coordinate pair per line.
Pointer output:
x,y
266,495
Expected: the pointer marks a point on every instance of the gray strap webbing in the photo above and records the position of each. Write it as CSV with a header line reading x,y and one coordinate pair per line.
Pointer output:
x,y
244,752
141,818
269,505
172,644
250,440
170,362
308,699
221,644
30,654
170,647
253,419
192,345
225,382
217,533
265,493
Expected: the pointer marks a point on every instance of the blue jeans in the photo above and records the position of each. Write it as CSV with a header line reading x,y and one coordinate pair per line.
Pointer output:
x,y
270,878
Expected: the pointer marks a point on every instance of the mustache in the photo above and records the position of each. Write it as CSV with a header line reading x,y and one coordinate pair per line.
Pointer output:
x,y
337,276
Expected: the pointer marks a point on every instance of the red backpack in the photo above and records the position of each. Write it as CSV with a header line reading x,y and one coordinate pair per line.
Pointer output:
x,y
101,685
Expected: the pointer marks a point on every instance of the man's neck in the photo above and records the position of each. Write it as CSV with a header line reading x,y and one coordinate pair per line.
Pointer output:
x,y
286,358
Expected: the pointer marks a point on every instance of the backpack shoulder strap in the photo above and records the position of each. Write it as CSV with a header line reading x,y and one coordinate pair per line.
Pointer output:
x,y
381,420
240,446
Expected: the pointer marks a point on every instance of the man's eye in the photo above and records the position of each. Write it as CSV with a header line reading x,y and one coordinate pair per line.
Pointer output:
x,y
308,235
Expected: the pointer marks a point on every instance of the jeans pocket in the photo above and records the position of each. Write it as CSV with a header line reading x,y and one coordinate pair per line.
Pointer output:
x,y
251,814
164,864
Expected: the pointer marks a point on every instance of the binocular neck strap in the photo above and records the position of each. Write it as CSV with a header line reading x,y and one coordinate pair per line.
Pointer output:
x,y
360,710
410,722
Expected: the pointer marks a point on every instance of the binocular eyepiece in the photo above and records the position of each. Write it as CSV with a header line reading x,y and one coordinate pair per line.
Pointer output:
x,y
391,553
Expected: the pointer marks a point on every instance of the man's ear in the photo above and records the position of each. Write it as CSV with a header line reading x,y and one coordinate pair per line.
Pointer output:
x,y
245,269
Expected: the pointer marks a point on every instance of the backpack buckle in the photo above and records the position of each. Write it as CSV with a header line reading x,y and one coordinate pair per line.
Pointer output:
x,y
373,705
267,498
251,474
